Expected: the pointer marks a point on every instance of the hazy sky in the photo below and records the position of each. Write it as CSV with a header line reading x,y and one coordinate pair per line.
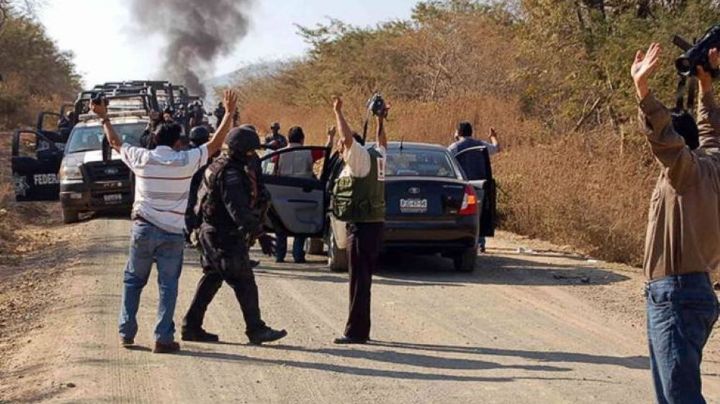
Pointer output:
x,y
100,33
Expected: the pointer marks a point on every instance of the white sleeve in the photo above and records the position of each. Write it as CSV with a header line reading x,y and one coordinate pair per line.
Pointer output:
x,y
131,155
358,160
198,158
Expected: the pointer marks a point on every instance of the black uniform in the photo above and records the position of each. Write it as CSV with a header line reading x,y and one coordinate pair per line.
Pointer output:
x,y
232,203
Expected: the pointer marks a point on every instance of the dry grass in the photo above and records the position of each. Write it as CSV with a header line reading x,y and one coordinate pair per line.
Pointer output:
x,y
577,190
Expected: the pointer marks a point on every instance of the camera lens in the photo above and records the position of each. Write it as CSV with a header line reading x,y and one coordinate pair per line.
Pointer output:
x,y
683,66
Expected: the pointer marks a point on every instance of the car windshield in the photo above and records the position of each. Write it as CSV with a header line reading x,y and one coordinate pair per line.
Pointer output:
x,y
419,163
90,138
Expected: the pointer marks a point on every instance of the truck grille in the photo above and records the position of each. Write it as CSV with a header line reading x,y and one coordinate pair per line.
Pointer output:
x,y
107,171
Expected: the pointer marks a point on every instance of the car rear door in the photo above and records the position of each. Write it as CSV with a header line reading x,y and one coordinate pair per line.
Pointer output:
x,y
35,165
478,158
296,178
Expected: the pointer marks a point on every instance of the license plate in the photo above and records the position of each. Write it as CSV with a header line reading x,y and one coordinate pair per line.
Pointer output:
x,y
413,205
113,198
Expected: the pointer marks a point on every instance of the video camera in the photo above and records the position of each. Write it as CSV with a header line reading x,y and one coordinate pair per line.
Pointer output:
x,y
376,104
697,55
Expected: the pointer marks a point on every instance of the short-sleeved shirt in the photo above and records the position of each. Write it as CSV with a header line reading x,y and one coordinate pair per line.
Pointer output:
x,y
162,183
358,162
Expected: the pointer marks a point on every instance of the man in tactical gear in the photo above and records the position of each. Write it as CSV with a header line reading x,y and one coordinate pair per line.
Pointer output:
x,y
219,113
232,203
359,200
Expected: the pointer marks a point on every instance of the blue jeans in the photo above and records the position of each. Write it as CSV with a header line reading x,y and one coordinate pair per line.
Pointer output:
x,y
298,251
681,313
150,243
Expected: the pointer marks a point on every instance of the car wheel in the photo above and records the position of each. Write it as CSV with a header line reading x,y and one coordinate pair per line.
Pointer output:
x,y
337,257
465,262
70,216
317,246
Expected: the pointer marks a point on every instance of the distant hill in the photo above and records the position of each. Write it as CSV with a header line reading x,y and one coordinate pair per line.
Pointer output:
x,y
252,71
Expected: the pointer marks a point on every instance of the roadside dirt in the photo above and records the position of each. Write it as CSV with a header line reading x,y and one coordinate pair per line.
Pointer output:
x,y
533,324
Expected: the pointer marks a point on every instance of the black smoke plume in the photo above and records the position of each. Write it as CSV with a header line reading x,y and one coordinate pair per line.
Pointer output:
x,y
197,33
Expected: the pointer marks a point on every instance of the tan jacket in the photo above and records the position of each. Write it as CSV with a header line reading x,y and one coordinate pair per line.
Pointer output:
x,y
683,234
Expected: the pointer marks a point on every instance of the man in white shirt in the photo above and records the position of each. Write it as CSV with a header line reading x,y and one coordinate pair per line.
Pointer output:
x,y
359,200
162,184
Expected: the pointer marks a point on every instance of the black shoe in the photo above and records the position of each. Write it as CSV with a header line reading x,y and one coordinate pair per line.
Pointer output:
x,y
301,261
280,260
127,342
254,264
199,336
166,348
344,340
266,335
482,250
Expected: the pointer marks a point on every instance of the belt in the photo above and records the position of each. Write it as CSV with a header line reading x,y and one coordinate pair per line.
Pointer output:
x,y
681,280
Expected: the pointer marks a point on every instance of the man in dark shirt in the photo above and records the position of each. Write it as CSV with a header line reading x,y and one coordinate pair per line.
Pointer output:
x,y
474,169
274,140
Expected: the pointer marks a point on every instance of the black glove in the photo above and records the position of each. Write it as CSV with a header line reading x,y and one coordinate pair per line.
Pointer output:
x,y
267,244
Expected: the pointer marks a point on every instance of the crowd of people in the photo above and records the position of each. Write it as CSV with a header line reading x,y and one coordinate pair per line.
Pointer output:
x,y
218,197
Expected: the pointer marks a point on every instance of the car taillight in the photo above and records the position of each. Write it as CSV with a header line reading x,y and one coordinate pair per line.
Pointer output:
x,y
469,203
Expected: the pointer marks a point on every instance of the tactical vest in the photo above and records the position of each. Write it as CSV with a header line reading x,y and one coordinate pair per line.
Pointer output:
x,y
361,200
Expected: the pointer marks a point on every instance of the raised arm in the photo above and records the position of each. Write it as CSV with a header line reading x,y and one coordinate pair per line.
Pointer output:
x,y
667,145
708,110
342,124
381,136
230,102
331,132
494,140
100,110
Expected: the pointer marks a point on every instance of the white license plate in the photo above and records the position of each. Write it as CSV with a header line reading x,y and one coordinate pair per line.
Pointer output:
x,y
413,205
113,198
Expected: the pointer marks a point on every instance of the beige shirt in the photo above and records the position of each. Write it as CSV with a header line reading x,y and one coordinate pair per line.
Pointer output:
x,y
357,161
683,234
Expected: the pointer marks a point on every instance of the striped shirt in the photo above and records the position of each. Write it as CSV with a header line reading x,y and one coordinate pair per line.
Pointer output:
x,y
162,183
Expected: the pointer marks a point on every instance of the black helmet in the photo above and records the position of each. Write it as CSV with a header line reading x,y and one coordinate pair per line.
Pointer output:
x,y
242,140
199,135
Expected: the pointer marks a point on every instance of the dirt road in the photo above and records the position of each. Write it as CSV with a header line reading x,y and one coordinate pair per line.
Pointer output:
x,y
527,327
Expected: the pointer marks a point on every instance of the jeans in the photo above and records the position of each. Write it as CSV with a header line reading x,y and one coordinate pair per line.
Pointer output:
x,y
681,312
298,251
150,243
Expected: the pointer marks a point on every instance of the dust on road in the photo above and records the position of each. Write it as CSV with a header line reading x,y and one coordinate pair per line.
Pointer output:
x,y
525,327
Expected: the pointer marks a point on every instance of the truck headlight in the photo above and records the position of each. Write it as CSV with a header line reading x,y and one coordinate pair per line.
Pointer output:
x,y
70,172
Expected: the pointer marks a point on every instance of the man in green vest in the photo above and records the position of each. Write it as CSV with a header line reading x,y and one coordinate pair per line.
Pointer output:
x,y
359,200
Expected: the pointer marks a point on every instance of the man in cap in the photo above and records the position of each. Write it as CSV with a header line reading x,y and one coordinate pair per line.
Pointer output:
x,y
274,140
232,204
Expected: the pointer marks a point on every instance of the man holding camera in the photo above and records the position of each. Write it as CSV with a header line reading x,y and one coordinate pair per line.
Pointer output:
x,y
162,181
359,200
683,235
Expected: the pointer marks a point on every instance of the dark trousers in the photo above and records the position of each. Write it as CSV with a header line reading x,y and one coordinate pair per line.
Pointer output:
x,y
298,251
226,259
364,242
681,313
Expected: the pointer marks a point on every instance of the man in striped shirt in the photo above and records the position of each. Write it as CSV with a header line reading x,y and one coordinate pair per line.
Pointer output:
x,y
162,185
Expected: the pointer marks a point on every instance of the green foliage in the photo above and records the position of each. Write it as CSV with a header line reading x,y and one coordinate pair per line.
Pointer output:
x,y
36,73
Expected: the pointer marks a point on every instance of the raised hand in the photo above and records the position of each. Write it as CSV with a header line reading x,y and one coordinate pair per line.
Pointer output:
x,y
99,109
230,101
643,68
337,104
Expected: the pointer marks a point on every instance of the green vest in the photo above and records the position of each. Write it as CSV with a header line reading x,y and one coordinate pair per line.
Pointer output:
x,y
360,200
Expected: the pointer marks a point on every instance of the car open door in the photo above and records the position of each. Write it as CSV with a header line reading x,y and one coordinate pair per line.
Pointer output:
x,y
35,165
481,177
296,178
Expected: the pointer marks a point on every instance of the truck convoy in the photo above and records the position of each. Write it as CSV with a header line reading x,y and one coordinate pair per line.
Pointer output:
x,y
76,166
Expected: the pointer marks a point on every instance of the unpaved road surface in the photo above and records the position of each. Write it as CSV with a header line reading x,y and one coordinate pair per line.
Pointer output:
x,y
526,327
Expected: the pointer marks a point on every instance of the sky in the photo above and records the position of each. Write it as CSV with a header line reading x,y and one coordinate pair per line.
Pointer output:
x,y
107,47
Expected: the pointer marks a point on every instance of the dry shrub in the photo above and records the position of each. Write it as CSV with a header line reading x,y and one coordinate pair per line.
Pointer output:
x,y
579,189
